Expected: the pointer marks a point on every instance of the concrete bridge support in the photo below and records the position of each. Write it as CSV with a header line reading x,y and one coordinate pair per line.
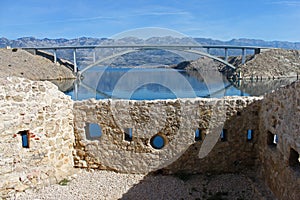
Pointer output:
x,y
226,54
54,56
74,58
243,55
207,50
94,55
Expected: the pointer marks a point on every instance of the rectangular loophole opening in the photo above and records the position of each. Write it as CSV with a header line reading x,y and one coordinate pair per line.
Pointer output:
x,y
198,134
223,135
272,139
294,159
249,135
128,134
93,131
25,135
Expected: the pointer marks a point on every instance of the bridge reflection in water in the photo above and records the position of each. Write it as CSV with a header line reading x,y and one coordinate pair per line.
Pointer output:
x,y
151,83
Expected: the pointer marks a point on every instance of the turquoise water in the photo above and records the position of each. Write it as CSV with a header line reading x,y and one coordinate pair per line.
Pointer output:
x,y
150,84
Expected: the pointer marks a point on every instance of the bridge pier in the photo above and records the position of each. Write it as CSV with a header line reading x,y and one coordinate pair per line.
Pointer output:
x,y
54,56
75,90
207,50
94,55
226,54
243,55
74,60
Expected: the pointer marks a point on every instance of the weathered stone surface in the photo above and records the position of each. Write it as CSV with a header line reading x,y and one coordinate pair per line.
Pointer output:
x,y
277,113
47,114
176,120
57,125
280,116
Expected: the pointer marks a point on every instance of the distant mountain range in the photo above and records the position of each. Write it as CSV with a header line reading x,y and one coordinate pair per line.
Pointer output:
x,y
32,41
139,58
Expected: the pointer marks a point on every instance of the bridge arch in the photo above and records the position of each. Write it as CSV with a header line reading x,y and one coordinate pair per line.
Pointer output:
x,y
105,59
167,49
210,56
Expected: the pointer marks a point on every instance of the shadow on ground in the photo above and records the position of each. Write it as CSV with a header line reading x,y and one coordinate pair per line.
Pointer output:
x,y
197,186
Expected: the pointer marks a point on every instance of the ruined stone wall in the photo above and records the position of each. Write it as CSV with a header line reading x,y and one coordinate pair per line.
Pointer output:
x,y
280,164
55,124
39,111
176,122
237,153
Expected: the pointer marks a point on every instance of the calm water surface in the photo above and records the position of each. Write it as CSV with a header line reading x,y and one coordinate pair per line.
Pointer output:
x,y
151,83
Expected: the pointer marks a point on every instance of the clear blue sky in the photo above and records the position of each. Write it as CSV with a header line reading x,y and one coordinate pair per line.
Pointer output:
x,y
217,19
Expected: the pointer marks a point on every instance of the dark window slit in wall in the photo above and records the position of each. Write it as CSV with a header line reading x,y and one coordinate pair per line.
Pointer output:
x,y
272,139
250,135
25,138
223,135
128,134
198,135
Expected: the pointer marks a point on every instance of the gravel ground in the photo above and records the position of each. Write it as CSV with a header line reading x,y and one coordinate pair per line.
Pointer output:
x,y
111,185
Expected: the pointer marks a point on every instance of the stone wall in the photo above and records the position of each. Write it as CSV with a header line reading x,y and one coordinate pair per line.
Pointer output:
x,y
237,153
118,135
280,164
175,122
38,111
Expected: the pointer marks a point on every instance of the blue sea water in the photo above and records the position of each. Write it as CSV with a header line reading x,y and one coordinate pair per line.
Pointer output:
x,y
150,84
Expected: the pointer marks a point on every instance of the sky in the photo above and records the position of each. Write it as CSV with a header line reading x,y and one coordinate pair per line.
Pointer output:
x,y
217,19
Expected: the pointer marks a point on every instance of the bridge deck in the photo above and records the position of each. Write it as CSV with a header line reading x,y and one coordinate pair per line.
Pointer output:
x,y
148,46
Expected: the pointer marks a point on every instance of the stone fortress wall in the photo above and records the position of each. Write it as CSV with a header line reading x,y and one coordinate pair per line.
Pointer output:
x,y
279,160
36,131
176,122
62,136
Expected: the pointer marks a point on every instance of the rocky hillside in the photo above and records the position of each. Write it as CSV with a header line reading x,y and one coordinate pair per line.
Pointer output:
x,y
268,64
273,63
16,62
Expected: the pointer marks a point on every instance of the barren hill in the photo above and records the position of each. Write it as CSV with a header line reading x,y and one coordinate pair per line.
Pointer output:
x,y
267,64
17,62
273,63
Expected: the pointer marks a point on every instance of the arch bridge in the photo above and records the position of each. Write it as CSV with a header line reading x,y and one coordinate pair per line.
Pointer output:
x,y
133,48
